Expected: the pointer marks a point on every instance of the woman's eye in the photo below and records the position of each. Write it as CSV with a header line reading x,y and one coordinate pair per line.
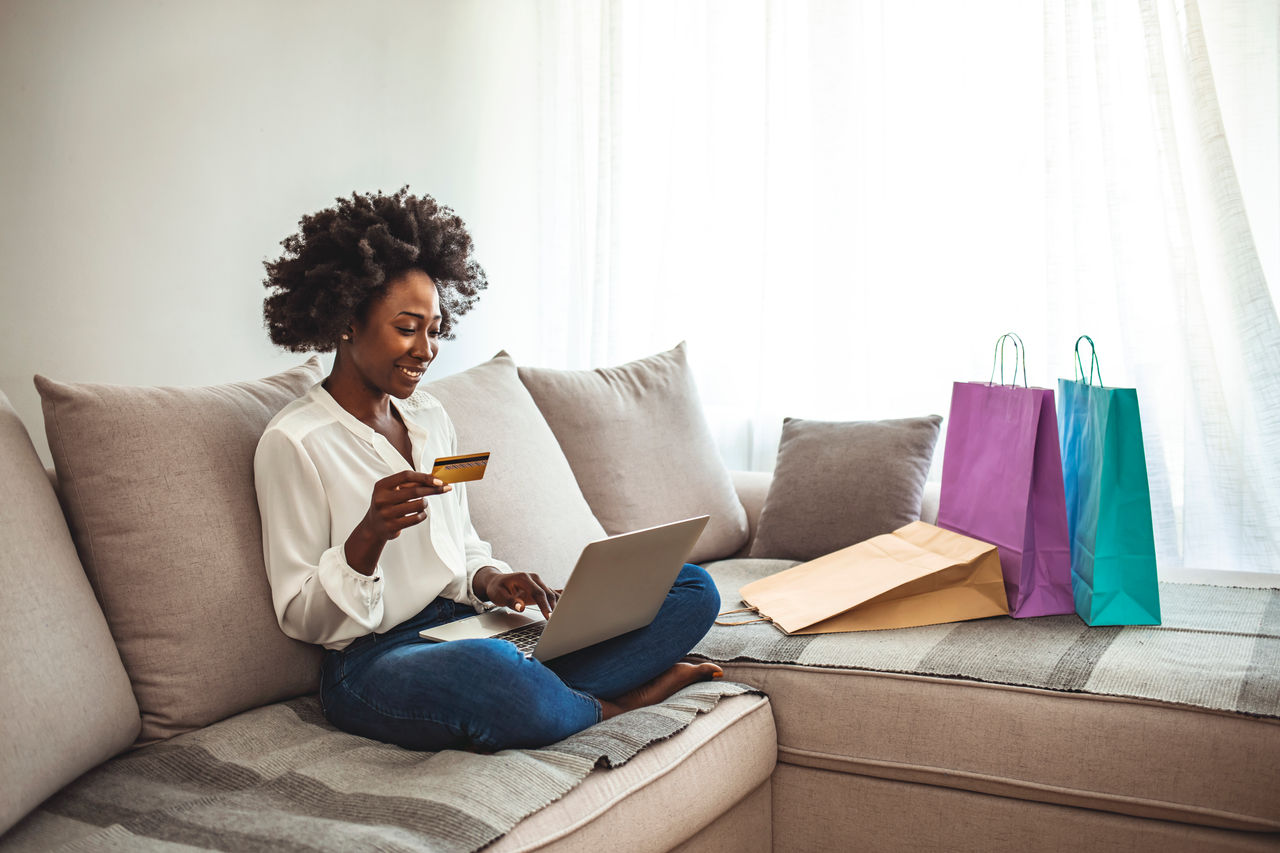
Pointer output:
x,y
434,333
405,331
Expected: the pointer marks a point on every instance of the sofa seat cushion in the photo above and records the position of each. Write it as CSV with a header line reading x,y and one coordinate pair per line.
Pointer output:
x,y
881,704
281,777
65,700
719,759
815,809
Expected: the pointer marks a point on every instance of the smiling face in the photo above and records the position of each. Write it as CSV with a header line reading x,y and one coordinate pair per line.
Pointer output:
x,y
399,335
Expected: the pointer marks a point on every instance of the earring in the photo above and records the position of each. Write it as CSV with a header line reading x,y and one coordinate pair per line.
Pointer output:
x,y
346,337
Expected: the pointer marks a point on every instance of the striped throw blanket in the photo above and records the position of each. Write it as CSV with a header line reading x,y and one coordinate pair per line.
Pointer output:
x,y
1219,647
281,778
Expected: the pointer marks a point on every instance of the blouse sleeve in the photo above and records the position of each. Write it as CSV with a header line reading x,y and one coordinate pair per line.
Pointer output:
x,y
318,597
478,552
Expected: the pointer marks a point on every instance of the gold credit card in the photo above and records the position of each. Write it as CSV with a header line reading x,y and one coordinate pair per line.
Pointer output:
x,y
459,469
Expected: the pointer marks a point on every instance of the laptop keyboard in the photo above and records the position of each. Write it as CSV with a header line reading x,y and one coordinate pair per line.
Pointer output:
x,y
525,637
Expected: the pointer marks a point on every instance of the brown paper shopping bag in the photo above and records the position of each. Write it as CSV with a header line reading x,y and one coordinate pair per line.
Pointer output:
x,y
917,575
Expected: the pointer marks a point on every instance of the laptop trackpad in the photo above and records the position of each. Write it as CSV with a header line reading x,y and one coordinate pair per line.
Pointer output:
x,y
481,625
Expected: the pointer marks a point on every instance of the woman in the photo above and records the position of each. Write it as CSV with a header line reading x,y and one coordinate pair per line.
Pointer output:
x,y
364,548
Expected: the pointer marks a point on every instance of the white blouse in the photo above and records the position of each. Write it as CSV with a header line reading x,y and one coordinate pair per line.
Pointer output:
x,y
314,471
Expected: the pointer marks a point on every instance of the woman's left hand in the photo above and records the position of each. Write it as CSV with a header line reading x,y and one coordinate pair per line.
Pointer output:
x,y
516,590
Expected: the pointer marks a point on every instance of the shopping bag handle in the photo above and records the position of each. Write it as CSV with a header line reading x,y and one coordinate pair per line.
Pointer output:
x,y
1092,363
1019,350
742,621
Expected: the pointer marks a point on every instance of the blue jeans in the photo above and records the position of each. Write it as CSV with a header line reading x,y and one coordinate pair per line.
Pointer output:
x,y
484,694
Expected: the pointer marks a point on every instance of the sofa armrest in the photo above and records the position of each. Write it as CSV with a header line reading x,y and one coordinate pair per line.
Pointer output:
x,y
752,486
929,503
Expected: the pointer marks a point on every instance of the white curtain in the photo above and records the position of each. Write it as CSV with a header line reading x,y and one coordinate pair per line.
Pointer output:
x,y
840,204
1151,244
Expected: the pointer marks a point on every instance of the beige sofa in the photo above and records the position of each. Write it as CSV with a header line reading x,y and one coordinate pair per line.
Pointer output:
x,y
138,626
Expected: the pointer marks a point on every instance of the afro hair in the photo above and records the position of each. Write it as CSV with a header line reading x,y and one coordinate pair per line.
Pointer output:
x,y
344,256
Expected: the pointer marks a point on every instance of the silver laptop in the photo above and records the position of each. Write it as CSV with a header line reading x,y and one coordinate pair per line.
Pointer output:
x,y
617,586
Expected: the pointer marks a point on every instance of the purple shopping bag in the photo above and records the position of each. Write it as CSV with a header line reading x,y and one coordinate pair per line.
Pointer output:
x,y
1002,483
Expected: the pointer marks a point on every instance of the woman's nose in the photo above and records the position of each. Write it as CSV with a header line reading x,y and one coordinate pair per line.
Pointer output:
x,y
422,348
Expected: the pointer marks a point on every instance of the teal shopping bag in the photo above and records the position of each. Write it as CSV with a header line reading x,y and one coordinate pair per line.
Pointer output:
x,y
1104,473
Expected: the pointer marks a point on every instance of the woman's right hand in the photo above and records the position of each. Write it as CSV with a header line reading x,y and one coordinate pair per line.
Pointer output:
x,y
397,502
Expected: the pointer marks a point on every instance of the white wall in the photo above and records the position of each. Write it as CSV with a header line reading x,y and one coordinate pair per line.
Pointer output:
x,y
153,154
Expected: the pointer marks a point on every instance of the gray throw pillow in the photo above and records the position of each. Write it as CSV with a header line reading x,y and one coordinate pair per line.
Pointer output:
x,y
528,506
158,488
640,447
837,483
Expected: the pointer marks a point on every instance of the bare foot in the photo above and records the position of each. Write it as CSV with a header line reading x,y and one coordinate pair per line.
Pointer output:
x,y
653,692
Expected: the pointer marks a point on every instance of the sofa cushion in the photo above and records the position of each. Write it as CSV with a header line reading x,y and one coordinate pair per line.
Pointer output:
x,y
813,807
838,483
528,506
640,447
281,777
873,704
1069,749
158,485
717,761
65,700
